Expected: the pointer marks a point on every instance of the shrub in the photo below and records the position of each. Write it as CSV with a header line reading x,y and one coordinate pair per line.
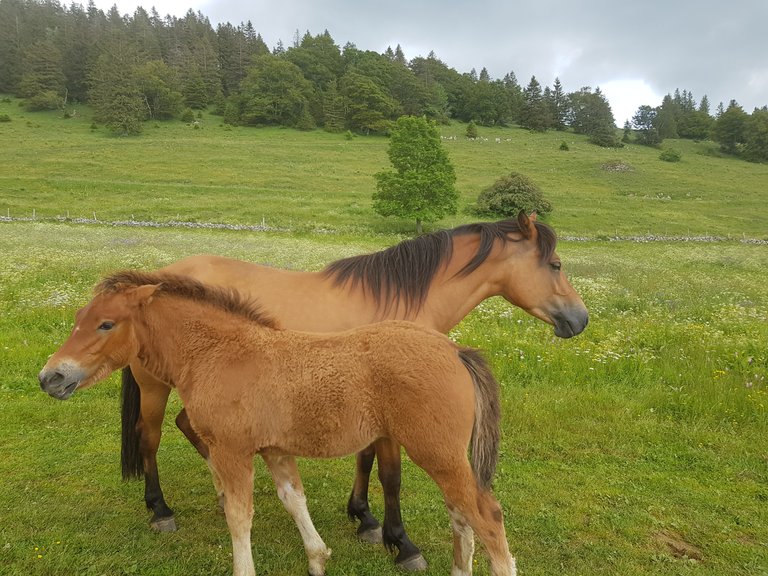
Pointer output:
x,y
472,130
511,194
188,115
564,146
46,100
670,155
5,118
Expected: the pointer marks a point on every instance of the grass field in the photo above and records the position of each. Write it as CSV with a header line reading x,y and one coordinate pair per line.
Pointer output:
x,y
319,181
636,448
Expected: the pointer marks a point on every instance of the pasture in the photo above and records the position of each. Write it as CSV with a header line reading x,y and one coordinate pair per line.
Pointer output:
x,y
635,448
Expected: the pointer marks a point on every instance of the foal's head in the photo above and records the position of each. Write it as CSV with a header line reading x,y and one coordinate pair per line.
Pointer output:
x,y
103,340
104,337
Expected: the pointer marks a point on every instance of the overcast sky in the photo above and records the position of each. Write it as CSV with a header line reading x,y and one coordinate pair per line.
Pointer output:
x,y
636,51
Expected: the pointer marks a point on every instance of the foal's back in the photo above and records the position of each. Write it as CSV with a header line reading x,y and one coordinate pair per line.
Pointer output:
x,y
327,395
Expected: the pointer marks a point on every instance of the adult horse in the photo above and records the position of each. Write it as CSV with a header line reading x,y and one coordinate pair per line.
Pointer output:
x,y
434,280
251,388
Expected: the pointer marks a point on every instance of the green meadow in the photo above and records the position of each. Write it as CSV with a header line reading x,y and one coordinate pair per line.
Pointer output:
x,y
636,448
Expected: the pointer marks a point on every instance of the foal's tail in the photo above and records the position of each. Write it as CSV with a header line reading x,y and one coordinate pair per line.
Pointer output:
x,y
130,406
486,433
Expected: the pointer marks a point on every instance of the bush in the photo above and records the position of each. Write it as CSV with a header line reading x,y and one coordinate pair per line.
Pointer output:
x,y
472,130
188,115
47,100
511,194
564,146
5,118
670,155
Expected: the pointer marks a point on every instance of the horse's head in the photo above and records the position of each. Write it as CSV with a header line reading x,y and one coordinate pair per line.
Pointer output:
x,y
103,340
532,278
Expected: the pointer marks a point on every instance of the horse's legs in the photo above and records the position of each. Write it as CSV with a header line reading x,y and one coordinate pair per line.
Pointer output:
x,y
235,471
154,397
183,424
409,556
357,507
291,492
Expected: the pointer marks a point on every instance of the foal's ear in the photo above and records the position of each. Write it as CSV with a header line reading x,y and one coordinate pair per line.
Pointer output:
x,y
144,294
526,224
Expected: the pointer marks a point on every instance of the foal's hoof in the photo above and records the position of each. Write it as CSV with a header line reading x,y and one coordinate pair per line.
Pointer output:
x,y
413,564
163,524
370,535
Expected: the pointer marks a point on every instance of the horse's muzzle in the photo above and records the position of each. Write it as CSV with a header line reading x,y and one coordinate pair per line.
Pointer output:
x,y
60,382
572,322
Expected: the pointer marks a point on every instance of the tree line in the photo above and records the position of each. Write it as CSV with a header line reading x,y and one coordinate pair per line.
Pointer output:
x,y
131,68
679,116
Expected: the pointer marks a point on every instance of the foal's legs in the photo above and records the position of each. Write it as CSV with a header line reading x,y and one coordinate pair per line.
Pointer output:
x,y
291,492
471,508
154,397
183,424
409,556
357,507
235,471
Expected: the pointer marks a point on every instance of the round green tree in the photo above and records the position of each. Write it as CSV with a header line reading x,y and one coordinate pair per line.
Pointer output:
x,y
511,194
422,184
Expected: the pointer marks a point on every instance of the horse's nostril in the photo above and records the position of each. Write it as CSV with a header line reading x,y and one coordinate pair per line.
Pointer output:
x,y
50,378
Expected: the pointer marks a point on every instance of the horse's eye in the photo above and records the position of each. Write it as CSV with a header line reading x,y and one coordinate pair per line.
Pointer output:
x,y
556,266
107,325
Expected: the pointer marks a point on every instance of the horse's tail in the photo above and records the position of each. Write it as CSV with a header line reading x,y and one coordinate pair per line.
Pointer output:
x,y
130,407
486,433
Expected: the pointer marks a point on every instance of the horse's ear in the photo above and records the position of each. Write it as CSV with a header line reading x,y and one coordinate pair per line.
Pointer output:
x,y
144,294
526,224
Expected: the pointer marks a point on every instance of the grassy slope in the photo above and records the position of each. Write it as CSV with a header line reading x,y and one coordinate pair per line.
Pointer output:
x,y
624,449
318,180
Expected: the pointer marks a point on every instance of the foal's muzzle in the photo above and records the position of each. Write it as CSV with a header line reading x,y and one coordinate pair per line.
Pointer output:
x,y
62,381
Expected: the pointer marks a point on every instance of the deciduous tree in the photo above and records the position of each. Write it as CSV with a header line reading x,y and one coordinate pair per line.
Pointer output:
x,y
422,184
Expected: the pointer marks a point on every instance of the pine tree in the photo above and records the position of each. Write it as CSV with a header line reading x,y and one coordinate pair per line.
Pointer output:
x,y
43,80
422,184
534,115
756,136
729,128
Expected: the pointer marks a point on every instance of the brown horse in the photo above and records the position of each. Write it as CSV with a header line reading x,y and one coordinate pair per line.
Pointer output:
x,y
434,280
250,388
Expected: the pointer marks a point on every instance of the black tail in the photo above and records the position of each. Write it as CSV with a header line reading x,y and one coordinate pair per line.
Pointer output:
x,y
486,434
130,454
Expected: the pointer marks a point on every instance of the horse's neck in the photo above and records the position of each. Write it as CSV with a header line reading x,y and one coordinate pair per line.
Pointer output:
x,y
452,296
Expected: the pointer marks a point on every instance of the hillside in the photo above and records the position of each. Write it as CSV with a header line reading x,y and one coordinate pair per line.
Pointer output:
x,y
315,180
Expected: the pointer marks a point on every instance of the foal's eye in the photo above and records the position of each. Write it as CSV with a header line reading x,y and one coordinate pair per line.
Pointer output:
x,y
106,325
556,266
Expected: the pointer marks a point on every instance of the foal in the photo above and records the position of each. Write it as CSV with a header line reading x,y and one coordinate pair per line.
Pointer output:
x,y
250,388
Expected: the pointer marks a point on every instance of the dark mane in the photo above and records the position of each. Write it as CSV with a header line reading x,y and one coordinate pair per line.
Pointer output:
x,y
404,272
226,299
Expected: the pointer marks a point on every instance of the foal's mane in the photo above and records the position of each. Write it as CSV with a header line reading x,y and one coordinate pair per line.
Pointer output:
x,y
405,271
226,299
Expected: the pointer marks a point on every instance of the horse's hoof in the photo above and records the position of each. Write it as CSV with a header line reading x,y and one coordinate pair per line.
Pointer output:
x,y
164,524
371,535
413,564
